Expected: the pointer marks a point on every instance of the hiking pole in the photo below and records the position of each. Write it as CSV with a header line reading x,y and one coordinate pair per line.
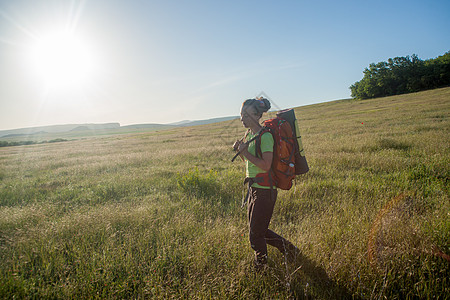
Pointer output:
x,y
237,154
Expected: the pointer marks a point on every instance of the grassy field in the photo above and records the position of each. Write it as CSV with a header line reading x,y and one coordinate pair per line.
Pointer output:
x,y
157,214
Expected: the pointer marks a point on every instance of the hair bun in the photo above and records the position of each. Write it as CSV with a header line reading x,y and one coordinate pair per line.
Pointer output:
x,y
261,104
264,104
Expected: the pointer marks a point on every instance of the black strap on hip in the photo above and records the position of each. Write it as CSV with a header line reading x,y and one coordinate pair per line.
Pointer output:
x,y
249,182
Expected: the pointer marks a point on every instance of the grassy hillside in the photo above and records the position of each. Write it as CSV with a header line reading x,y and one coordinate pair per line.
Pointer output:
x,y
157,214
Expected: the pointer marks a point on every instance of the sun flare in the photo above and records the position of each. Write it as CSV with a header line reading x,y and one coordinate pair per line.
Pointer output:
x,y
62,61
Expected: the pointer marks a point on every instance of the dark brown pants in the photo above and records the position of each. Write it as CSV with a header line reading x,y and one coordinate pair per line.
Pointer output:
x,y
259,210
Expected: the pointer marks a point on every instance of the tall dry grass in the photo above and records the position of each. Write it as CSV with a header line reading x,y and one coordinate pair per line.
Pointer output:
x,y
157,214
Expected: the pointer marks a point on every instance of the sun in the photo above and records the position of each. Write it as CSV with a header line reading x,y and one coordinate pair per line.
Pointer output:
x,y
62,61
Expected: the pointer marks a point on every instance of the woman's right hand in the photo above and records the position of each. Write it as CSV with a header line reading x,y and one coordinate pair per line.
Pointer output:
x,y
236,145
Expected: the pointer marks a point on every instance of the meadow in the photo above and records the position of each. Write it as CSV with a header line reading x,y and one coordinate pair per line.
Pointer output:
x,y
157,214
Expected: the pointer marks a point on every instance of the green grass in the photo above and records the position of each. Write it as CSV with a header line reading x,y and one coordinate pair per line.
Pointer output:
x,y
157,214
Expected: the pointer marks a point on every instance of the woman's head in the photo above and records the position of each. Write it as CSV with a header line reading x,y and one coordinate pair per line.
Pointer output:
x,y
252,110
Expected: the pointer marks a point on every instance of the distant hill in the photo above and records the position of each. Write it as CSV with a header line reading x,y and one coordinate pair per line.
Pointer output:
x,y
147,126
183,123
203,122
81,128
32,131
56,129
24,134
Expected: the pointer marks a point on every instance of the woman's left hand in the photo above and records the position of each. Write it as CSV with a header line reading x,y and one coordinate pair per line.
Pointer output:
x,y
242,147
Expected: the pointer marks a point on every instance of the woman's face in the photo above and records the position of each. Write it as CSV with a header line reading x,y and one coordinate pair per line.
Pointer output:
x,y
249,116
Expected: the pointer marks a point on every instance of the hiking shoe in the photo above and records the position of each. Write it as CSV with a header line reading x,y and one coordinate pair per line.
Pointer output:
x,y
260,263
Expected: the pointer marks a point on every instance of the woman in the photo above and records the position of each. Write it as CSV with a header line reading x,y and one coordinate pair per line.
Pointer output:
x,y
261,199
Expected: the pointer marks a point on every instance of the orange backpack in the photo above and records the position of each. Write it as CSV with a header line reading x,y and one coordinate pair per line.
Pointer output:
x,y
288,154
288,157
282,171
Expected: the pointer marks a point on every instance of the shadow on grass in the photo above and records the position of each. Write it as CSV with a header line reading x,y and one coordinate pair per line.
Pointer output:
x,y
311,281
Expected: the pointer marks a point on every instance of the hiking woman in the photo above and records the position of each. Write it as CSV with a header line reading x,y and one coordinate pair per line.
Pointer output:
x,y
261,199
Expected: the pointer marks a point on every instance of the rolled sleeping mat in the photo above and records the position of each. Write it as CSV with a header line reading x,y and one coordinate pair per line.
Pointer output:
x,y
301,165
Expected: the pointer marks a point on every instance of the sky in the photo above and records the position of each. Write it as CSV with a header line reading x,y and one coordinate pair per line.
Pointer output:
x,y
134,62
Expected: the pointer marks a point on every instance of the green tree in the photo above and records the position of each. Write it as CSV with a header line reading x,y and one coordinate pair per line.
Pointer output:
x,y
402,75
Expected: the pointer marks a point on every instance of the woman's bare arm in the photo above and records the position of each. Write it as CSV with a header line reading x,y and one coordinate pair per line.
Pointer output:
x,y
263,163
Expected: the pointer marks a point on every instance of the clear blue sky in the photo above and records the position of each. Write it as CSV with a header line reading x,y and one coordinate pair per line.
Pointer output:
x,y
166,61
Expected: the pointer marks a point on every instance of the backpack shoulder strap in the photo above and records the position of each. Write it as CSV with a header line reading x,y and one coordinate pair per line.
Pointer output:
x,y
263,130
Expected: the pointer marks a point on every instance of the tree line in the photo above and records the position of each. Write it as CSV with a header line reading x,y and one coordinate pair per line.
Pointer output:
x,y
24,143
401,75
